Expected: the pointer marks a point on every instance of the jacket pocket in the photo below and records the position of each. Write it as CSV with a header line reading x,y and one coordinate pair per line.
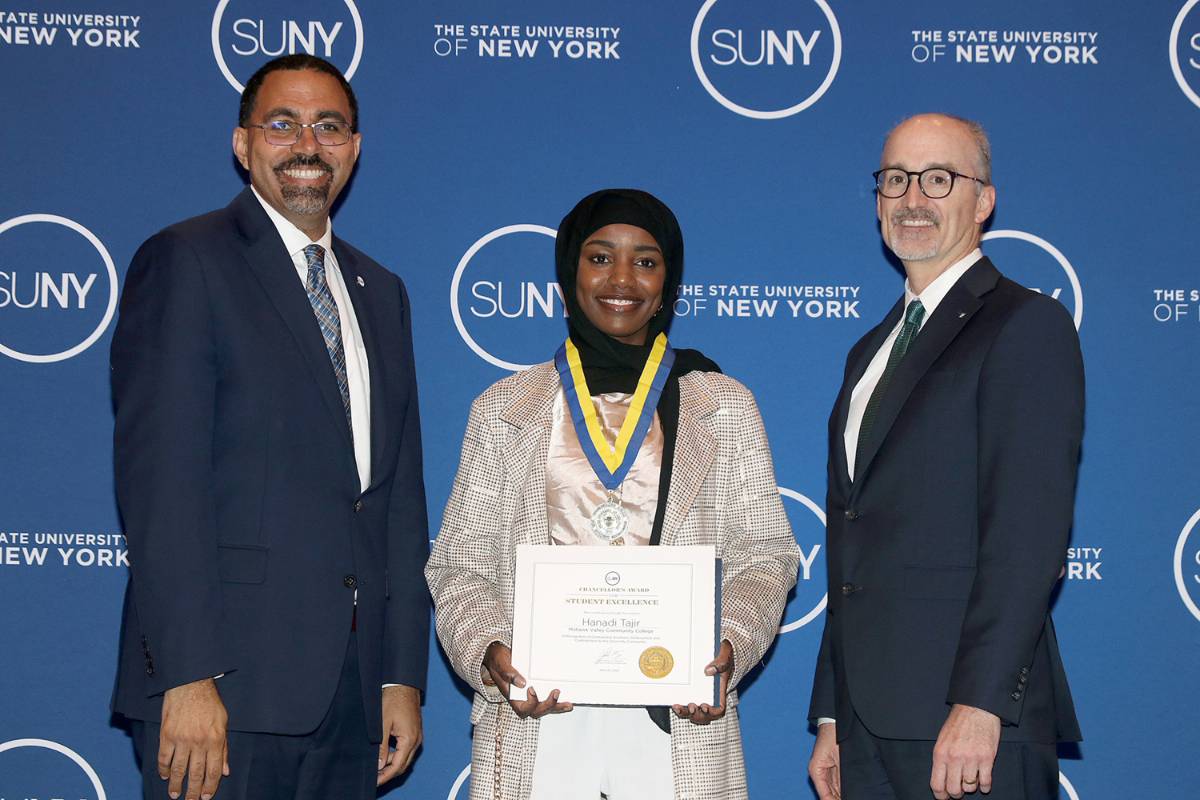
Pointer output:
x,y
242,563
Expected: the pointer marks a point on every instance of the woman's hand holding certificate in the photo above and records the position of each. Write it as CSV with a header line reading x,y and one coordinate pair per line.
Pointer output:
x,y
499,672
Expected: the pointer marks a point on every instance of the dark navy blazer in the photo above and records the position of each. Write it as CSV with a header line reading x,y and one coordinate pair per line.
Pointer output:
x,y
944,550
235,476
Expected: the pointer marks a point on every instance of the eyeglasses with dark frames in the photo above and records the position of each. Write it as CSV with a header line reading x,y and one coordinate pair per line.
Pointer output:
x,y
935,182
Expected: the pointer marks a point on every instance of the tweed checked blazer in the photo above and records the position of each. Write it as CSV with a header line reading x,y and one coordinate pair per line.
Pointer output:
x,y
723,492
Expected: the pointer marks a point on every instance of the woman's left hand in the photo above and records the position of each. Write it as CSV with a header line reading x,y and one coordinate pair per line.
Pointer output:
x,y
704,713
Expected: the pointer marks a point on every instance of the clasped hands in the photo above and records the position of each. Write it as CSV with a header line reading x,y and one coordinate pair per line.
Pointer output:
x,y
497,670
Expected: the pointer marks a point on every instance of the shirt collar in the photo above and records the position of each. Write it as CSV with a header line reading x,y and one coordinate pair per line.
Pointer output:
x,y
935,291
294,239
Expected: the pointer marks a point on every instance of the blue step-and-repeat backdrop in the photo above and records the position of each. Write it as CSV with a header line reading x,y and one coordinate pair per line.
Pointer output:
x,y
759,122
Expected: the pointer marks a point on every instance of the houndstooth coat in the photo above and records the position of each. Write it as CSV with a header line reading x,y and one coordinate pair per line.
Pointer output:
x,y
723,492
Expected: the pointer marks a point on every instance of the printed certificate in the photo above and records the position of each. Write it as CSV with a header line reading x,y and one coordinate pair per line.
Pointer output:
x,y
625,626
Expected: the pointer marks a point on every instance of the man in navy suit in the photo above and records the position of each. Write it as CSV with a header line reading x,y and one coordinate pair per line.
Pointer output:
x,y
954,444
268,472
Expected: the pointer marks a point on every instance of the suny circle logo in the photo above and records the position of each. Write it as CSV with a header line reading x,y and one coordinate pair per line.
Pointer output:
x,y
48,288
1044,278
459,782
777,59
509,314
42,774
810,583
1067,788
1185,50
248,33
1187,567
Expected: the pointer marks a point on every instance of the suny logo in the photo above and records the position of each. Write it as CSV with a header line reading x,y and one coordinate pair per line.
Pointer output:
x,y
508,308
810,596
776,59
53,303
1185,50
248,33
33,768
1187,566
1048,272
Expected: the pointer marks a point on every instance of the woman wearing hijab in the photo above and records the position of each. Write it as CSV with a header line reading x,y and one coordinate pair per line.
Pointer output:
x,y
702,475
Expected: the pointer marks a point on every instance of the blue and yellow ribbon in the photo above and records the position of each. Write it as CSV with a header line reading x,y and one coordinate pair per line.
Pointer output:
x,y
611,462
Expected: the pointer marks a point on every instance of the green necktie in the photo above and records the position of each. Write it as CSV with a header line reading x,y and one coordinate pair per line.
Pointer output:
x,y
908,331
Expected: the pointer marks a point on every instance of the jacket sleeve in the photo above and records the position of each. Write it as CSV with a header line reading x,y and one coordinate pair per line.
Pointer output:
x,y
1030,427
462,570
823,703
164,377
406,631
759,553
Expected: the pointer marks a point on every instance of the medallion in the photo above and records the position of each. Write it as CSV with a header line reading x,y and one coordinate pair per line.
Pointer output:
x,y
610,521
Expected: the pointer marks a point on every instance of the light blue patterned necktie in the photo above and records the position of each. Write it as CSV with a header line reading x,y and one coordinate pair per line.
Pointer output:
x,y
908,331
328,319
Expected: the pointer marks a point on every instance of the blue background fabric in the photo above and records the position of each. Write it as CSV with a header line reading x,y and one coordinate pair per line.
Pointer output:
x,y
759,123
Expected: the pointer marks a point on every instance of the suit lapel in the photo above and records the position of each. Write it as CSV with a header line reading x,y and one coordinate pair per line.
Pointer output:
x,y
368,330
952,314
275,272
695,450
854,371
531,413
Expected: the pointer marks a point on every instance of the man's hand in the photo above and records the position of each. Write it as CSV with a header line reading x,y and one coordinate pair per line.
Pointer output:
x,y
401,721
825,765
498,669
192,741
965,752
703,713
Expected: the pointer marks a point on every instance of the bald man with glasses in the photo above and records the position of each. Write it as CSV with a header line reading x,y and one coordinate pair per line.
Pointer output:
x,y
954,446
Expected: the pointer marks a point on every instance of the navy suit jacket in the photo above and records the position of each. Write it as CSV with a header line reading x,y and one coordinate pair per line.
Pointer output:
x,y
943,551
235,475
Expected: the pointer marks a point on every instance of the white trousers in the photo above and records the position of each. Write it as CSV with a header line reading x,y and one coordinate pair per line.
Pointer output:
x,y
590,750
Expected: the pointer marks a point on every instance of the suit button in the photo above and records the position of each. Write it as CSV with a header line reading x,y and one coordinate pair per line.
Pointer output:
x,y
358,506
350,581
1021,681
1015,695
849,589
851,514
1024,670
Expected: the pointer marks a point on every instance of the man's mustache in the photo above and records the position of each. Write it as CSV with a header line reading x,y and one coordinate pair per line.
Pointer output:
x,y
918,214
304,162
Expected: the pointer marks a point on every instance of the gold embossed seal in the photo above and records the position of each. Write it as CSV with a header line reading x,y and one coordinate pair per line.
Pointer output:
x,y
656,662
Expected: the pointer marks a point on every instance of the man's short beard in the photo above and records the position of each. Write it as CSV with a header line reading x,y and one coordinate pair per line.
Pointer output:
x,y
305,200
912,251
927,252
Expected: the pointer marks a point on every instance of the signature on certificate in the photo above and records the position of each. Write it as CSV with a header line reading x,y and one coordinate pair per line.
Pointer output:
x,y
613,656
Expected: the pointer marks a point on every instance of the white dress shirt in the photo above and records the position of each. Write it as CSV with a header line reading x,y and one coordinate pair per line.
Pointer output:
x,y
930,298
358,373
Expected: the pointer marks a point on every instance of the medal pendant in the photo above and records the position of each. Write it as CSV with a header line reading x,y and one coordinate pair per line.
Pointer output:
x,y
610,521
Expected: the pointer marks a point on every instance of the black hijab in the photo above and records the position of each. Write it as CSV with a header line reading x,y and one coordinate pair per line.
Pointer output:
x,y
609,365
612,366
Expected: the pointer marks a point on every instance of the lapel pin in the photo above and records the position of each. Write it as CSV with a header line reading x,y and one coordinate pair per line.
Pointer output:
x,y
961,314
361,282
